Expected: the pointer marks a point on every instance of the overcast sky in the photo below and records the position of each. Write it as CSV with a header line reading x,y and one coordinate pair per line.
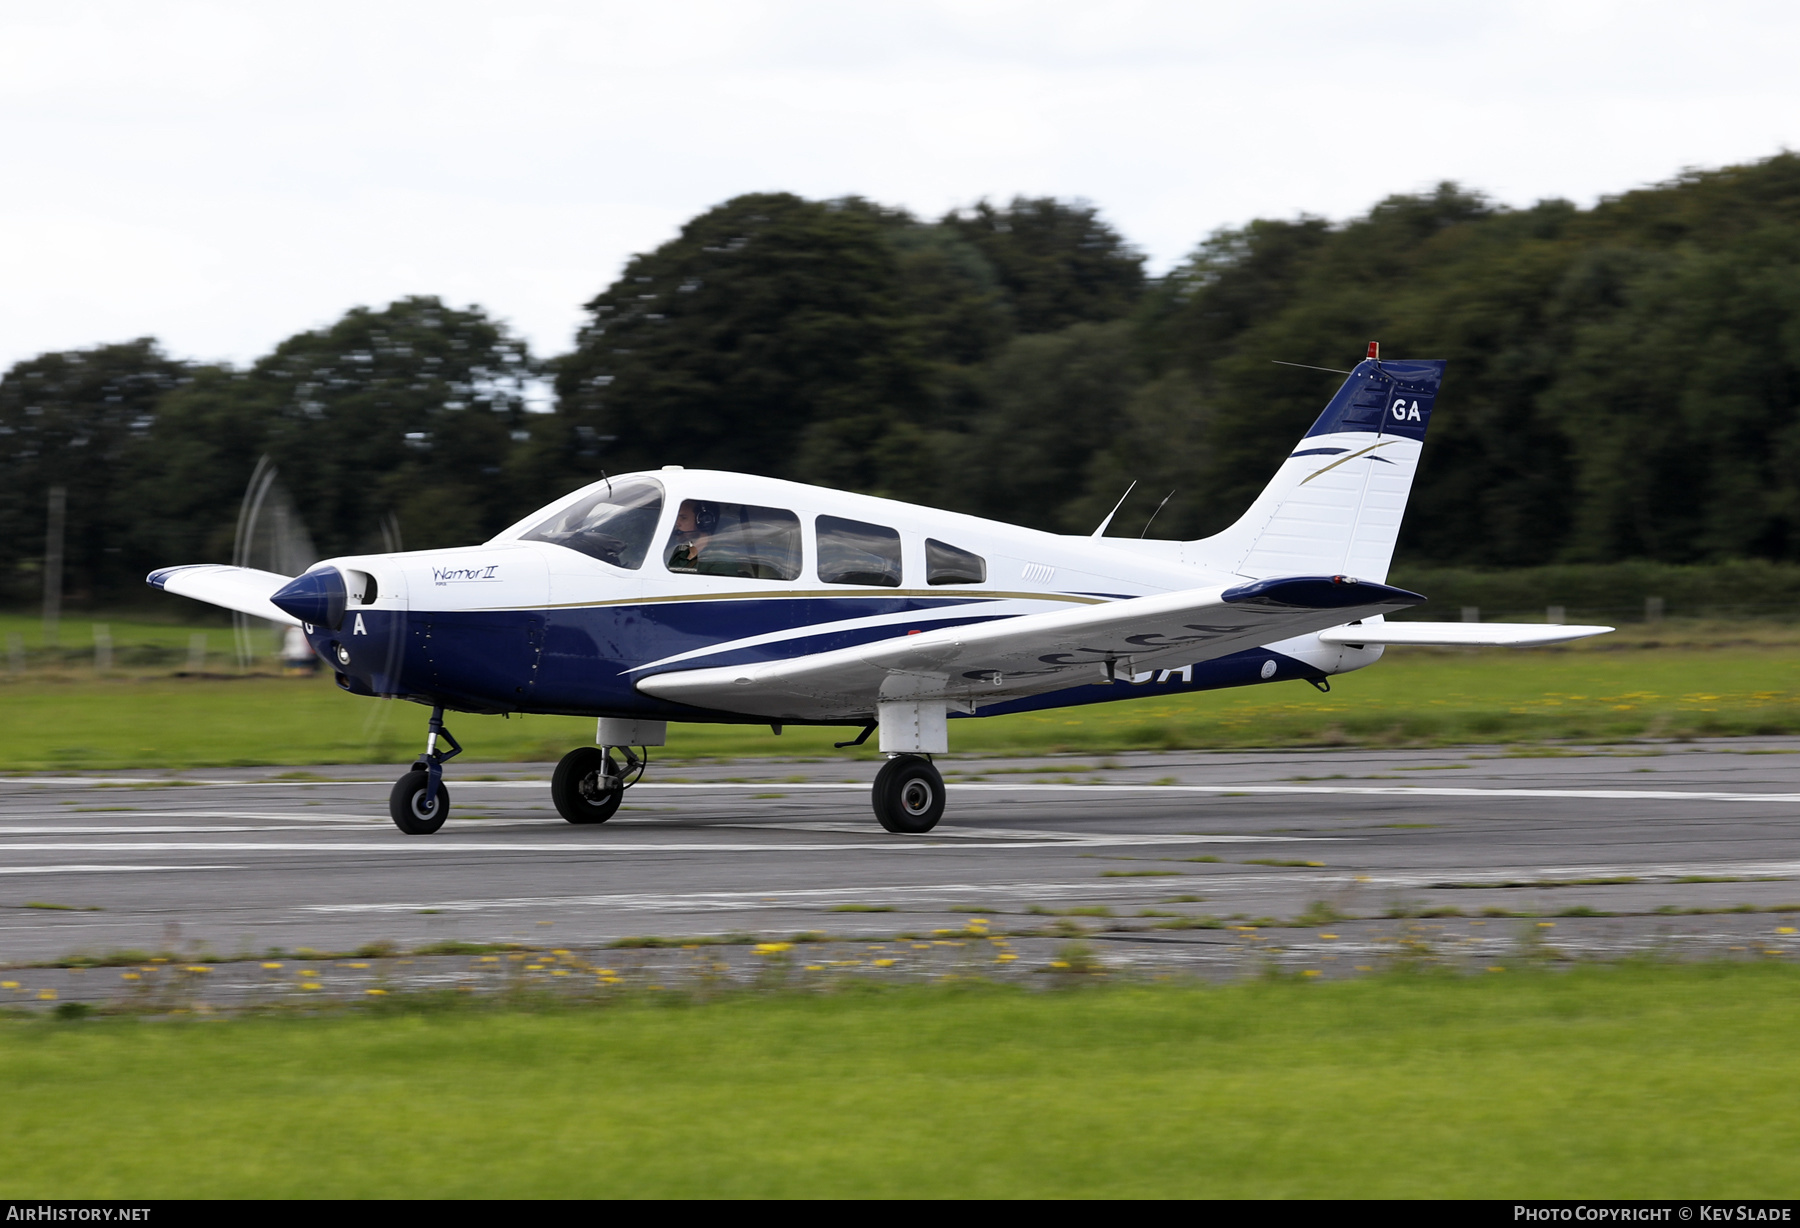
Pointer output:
x,y
223,175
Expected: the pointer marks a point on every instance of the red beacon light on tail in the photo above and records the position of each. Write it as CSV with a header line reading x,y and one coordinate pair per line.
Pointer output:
x,y
1375,349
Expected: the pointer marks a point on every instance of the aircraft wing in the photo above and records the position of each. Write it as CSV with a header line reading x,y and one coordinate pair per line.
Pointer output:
x,y
236,588
1459,635
988,662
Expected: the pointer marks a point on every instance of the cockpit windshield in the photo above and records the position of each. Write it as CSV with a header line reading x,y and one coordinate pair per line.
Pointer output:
x,y
615,525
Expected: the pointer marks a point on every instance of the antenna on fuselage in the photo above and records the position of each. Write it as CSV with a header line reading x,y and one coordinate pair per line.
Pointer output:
x,y
1309,367
1159,508
1101,531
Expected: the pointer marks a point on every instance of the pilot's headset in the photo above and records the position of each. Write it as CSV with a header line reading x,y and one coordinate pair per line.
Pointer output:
x,y
706,517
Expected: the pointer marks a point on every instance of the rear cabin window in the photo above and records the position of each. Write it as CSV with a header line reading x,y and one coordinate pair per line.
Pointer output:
x,y
945,564
616,525
851,552
734,539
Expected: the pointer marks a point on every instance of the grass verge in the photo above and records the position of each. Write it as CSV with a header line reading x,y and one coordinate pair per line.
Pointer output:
x,y
1640,1081
1417,697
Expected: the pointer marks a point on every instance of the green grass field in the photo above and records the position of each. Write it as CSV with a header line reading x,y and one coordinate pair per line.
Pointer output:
x,y
1638,1081
1716,684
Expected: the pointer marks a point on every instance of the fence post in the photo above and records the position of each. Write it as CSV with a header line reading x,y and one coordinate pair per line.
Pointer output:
x,y
53,563
197,652
1471,613
102,648
1554,616
1653,609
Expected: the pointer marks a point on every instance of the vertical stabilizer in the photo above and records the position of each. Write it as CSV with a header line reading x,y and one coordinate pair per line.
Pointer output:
x,y
1334,506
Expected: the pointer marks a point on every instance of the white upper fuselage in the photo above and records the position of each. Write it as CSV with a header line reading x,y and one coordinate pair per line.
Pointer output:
x,y
1028,571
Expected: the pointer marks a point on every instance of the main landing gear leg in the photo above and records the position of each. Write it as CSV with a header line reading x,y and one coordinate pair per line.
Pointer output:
x,y
909,795
590,781
419,802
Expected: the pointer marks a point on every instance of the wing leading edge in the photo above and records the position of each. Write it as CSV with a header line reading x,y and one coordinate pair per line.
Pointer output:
x,y
986,663
244,589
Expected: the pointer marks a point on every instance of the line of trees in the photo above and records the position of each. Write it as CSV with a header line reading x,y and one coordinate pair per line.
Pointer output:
x,y
1624,382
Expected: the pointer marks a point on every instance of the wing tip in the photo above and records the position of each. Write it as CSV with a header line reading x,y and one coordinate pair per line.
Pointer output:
x,y
1319,593
162,575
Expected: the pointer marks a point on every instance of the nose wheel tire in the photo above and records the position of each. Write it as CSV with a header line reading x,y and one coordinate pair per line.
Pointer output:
x,y
407,806
586,787
909,795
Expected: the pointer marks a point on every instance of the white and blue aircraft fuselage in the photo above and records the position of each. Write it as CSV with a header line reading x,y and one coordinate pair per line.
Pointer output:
x,y
698,595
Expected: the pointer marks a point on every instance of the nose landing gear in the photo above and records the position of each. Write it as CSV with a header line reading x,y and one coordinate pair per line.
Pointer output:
x,y
589,782
419,802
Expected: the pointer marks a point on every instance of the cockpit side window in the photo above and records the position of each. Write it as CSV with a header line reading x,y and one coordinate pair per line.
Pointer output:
x,y
851,552
615,525
945,564
734,539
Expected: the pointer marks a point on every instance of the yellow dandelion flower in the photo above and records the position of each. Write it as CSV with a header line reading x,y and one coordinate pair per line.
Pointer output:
x,y
1005,958
559,972
376,993
1310,972
1496,968
1328,937
815,967
886,963
130,976
356,965
271,965
1784,929
198,968
47,995
9,984
1365,967
1546,925
308,972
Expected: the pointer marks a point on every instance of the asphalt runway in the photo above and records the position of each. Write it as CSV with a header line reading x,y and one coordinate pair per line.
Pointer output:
x,y
243,861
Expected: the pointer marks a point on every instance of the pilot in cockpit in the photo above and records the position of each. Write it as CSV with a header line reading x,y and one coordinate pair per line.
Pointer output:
x,y
695,523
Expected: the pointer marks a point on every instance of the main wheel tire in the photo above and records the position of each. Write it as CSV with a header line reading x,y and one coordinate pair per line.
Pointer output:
x,y
576,788
909,795
406,804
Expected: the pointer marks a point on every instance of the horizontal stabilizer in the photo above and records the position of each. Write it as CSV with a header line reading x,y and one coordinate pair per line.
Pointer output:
x,y
243,589
1459,635
989,662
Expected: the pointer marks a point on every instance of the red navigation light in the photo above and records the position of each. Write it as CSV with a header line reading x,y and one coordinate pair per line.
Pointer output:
x,y
1374,349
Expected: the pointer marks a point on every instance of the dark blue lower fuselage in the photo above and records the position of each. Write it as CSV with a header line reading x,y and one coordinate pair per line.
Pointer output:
x,y
584,660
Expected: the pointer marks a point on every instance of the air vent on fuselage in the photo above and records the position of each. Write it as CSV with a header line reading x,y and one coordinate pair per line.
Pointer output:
x,y
362,587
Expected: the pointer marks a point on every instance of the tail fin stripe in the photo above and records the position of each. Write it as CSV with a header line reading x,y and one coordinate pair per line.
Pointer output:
x,y
1345,460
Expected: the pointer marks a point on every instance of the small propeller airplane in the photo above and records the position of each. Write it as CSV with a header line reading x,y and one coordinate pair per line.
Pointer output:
x,y
698,595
